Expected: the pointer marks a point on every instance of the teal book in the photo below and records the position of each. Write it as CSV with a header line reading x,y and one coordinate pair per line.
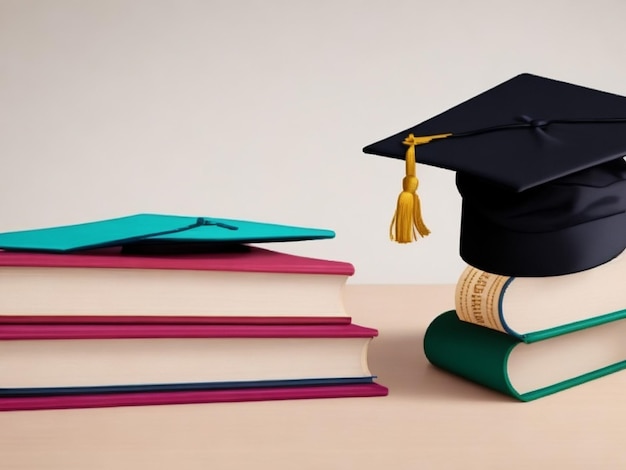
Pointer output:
x,y
525,371
158,229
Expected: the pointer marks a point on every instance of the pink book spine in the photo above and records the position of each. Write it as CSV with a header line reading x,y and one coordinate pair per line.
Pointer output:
x,y
254,260
190,397
107,331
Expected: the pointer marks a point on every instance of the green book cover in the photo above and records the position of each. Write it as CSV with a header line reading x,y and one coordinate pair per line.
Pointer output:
x,y
525,371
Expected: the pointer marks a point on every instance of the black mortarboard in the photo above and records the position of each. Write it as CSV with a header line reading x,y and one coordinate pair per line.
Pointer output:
x,y
539,165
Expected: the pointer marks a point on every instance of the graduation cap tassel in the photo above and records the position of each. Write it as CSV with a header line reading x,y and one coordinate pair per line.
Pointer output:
x,y
407,221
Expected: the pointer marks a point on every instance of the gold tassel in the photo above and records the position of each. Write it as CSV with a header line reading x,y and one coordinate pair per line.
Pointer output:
x,y
407,222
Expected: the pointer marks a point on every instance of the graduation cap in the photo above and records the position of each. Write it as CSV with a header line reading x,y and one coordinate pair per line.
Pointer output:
x,y
539,165
162,232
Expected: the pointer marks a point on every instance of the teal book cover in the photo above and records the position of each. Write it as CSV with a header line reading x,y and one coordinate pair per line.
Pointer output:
x,y
155,228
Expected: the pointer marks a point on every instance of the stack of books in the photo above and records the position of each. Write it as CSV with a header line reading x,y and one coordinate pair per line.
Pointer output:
x,y
529,337
137,311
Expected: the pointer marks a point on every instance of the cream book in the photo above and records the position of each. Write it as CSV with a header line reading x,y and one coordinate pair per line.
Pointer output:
x,y
535,308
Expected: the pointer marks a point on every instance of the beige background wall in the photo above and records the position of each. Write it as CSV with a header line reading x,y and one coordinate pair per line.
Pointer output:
x,y
259,109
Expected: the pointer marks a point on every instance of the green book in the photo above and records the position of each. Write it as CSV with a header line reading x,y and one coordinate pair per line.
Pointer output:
x,y
525,371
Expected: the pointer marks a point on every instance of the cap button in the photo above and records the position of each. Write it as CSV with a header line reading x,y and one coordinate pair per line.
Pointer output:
x,y
538,123
534,123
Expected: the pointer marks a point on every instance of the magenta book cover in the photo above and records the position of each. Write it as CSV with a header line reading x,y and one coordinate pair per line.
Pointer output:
x,y
107,331
189,397
252,259
168,320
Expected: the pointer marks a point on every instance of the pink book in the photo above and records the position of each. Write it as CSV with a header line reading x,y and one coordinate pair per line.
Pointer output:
x,y
28,331
70,359
247,285
189,397
246,259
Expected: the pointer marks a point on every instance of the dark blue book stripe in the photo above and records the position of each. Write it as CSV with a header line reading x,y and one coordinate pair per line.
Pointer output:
x,y
50,391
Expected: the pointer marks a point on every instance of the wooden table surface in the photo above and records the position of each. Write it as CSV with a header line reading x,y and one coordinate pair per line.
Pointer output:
x,y
430,420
